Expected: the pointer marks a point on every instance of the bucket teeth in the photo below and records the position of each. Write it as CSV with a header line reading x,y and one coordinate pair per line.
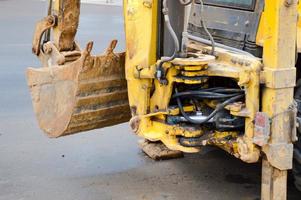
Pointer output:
x,y
86,94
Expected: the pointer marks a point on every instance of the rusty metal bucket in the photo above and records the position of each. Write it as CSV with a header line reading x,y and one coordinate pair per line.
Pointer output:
x,y
88,93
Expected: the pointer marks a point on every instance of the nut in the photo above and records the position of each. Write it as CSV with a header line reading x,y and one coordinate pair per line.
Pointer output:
x,y
148,3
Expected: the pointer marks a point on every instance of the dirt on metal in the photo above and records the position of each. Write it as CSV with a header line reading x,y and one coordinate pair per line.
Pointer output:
x,y
158,151
80,95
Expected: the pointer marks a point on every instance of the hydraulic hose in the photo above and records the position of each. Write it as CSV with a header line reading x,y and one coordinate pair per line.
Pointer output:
x,y
175,40
217,109
205,27
188,118
212,93
170,29
204,95
203,23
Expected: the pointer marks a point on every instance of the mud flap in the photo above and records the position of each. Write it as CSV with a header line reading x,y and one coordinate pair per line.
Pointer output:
x,y
88,93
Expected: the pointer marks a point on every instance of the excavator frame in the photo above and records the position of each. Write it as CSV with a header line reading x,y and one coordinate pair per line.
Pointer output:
x,y
89,92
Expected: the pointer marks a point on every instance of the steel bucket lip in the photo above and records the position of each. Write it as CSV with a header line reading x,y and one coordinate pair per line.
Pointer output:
x,y
41,79
60,88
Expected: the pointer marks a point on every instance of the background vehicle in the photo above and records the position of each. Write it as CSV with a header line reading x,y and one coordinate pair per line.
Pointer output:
x,y
229,81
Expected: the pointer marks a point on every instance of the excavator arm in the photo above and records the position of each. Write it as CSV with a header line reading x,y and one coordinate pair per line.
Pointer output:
x,y
74,91
63,19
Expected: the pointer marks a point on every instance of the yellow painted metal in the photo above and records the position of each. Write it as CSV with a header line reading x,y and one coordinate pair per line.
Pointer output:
x,y
279,33
221,139
149,100
245,70
141,39
299,28
280,25
141,45
263,28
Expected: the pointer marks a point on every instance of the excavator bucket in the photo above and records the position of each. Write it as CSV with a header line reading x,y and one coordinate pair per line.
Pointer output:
x,y
84,93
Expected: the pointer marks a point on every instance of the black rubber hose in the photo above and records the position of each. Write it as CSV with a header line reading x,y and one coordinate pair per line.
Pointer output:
x,y
231,100
192,120
204,94
227,90
220,90
217,109
200,97
223,126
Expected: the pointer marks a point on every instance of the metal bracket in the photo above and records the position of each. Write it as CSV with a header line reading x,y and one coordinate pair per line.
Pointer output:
x,y
294,122
148,3
262,129
280,155
278,78
41,27
51,55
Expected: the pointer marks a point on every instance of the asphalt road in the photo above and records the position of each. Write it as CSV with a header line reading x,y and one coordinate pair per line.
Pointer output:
x,y
102,164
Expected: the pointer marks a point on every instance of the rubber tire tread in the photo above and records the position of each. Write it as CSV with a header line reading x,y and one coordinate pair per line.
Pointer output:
x,y
297,164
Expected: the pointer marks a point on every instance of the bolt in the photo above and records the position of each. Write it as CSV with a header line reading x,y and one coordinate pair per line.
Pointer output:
x,y
288,3
148,3
47,49
247,64
50,20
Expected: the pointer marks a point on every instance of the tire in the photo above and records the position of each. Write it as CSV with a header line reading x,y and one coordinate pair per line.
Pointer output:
x,y
297,164
297,145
